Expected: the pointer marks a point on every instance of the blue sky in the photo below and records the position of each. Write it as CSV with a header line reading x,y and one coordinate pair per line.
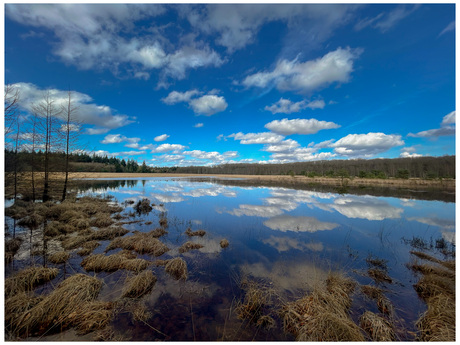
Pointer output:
x,y
197,84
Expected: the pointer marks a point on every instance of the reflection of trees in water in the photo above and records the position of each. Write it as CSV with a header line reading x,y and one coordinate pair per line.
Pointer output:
x,y
103,185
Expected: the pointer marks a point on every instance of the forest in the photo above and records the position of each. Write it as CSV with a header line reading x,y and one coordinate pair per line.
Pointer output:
x,y
419,167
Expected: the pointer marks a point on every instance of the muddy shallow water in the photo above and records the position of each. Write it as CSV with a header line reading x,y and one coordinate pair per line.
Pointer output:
x,y
286,239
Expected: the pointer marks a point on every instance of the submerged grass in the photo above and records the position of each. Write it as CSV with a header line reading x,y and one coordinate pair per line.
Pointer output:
x,y
377,327
187,246
190,233
139,285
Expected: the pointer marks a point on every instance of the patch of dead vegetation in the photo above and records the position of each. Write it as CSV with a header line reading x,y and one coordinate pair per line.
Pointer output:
x,y
377,327
111,263
59,257
142,243
437,288
28,279
190,233
12,246
257,297
224,243
143,206
187,246
58,310
177,268
323,314
88,247
158,232
92,316
139,285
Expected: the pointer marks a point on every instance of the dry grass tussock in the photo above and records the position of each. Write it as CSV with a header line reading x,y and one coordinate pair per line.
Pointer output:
x,y
158,232
111,263
93,316
177,268
377,327
139,285
88,247
143,243
224,243
437,288
143,206
79,240
59,257
12,246
60,309
323,314
376,294
257,299
28,279
187,246
200,233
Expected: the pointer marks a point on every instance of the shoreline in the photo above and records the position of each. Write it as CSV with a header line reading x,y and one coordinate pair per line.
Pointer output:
x,y
413,183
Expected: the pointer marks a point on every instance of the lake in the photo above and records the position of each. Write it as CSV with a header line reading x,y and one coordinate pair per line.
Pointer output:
x,y
286,239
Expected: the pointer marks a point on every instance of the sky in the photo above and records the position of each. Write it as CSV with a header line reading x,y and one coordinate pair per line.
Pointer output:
x,y
192,84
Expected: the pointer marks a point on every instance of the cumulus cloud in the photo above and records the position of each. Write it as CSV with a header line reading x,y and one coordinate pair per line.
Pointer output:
x,y
166,148
305,77
286,106
257,138
447,128
366,207
299,126
298,224
207,105
92,36
162,137
366,145
118,138
88,112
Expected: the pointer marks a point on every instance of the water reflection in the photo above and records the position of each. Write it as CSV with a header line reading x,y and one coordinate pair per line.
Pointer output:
x,y
300,224
366,207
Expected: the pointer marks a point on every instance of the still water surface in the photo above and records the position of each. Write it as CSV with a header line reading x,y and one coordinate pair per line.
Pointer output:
x,y
289,239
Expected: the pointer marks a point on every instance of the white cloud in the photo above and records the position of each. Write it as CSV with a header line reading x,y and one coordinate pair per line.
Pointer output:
x,y
304,77
177,97
256,211
118,138
283,146
366,145
88,113
284,244
162,137
166,148
406,154
257,138
299,224
299,126
208,105
198,125
447,128
100,36
286,106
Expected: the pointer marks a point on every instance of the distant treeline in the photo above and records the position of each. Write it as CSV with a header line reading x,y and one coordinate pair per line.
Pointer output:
x,y
419,167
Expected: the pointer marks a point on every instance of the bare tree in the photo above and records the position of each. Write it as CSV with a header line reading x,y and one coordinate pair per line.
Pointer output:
x,y
70,127
49,113
11,101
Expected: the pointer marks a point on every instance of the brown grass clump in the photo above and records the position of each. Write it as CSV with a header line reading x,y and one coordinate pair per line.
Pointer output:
x,y
187,246
143,206
378,328
28,279
139,285
430,269
323,314
61,307
200,233
17,305
107,233
93,316
379,276
140,312
143,243
59,257
163,222
256,298
12,246
375,293
88,247
177,268
158,232
224,243
31,221
101,220
161,262
111,263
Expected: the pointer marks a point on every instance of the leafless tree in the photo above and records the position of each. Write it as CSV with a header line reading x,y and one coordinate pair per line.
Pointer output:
x,y
47,111
11,107
70,129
